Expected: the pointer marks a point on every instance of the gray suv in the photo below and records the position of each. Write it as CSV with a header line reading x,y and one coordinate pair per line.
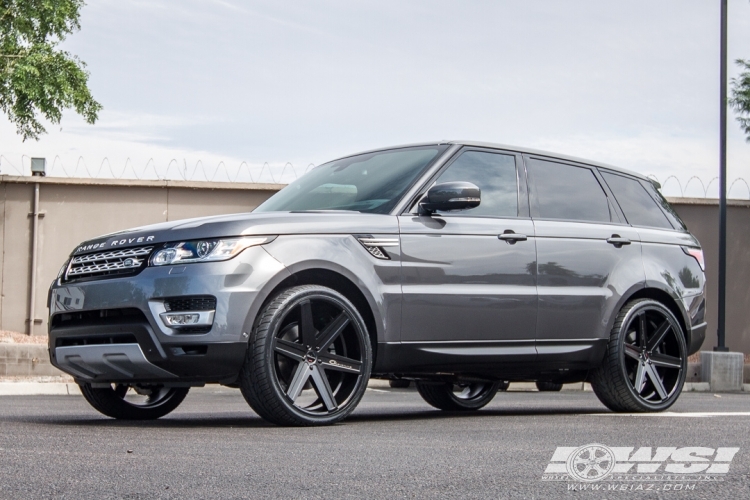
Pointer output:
x,y
457,265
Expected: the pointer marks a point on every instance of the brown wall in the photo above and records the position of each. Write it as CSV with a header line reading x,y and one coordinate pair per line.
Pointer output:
x,y
702,219
79,209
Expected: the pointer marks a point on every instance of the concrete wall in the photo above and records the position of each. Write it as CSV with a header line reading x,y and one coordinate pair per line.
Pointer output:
x,y
26,360
702,218
79,209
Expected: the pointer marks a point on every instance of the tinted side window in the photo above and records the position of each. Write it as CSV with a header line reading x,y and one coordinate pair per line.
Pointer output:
x,y
639,208
568,192
494,174
668,210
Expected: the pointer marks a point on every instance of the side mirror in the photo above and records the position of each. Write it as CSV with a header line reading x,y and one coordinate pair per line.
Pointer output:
x,y
450,196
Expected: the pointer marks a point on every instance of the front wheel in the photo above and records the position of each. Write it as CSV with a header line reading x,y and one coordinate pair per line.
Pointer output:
x,y
646,361
458,397
134,402
309,358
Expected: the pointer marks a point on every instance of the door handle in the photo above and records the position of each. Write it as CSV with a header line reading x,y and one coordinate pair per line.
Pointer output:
x,y
618,241
511,237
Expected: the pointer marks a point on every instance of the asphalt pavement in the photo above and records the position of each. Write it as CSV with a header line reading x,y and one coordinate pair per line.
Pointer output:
x,y
393,446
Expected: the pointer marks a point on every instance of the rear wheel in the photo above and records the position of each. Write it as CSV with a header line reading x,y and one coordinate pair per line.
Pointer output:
x,y
309,358
646,361
134,402
548,386
458,397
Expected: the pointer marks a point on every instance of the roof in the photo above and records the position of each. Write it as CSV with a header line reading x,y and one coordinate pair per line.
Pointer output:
x,y
508,147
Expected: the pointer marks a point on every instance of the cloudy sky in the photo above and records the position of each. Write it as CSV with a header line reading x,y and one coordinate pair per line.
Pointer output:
x,y
218,83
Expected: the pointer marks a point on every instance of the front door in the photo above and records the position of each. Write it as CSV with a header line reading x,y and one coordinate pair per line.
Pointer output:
x,y
469,277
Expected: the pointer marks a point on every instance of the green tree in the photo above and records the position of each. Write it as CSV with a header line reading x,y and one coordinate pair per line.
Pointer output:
x,y
740,99
36,78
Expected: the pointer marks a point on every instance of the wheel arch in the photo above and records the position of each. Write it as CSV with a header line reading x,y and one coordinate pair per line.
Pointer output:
x,y
315,275
663,296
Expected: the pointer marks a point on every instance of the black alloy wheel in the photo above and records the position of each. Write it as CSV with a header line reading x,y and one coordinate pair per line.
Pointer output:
x,y
134,401
309,358
458,396
646,361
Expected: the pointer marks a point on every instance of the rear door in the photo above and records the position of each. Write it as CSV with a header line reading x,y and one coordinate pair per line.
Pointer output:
x,y
588,257
469,284
663,237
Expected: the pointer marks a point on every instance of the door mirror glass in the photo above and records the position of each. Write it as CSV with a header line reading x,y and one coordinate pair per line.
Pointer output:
x,y
448,196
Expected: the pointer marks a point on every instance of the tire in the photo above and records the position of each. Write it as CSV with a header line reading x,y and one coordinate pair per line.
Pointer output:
x,y
471,396
309,358
548,386
399,383
645,364
503,386
113,402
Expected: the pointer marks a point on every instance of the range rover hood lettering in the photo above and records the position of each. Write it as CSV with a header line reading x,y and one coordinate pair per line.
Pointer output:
x,y
247,224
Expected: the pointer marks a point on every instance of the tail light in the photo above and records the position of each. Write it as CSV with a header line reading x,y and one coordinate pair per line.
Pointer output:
x,y
697,254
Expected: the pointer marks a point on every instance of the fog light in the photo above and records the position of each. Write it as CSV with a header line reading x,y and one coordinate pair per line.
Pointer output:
x,y
179,319
182,319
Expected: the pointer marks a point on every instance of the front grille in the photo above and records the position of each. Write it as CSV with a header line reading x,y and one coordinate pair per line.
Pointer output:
x,y
100,317
190,303
108,264
96,340
194,329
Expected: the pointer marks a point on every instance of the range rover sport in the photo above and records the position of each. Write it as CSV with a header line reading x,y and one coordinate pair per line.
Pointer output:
x,y
458,265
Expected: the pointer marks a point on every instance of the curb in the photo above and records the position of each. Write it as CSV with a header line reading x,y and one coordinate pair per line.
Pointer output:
x,y
39,389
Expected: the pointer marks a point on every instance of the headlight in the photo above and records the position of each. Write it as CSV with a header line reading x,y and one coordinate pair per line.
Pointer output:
x,y
63,269
186,252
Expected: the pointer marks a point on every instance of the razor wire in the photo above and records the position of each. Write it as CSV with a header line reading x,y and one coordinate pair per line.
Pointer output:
x,y
174,170
672,185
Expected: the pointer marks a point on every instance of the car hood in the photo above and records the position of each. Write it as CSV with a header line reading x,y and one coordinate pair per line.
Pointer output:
x,y
265,223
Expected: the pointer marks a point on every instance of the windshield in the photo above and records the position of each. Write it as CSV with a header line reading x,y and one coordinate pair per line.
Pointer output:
x,y
372,182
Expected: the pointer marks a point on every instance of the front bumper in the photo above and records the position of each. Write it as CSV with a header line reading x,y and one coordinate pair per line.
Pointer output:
x,y
107,361
136,345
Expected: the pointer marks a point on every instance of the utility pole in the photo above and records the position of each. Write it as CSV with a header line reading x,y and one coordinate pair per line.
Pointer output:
x,y
721,332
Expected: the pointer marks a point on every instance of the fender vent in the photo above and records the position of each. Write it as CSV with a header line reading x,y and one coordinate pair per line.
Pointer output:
x,y
377,246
